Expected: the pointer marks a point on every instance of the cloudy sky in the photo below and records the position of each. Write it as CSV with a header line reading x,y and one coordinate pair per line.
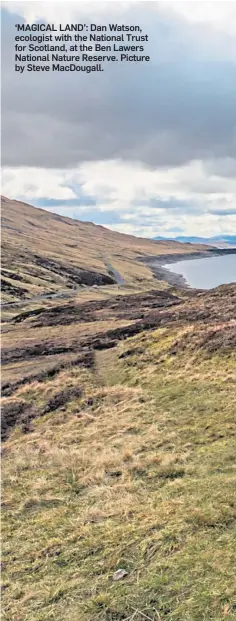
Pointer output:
x,y
145,149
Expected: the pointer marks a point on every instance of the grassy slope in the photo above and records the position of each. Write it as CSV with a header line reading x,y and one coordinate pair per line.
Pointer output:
x,y
44,252
135,471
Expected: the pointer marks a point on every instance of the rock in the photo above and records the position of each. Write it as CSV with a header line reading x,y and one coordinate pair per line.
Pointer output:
x,y
119,574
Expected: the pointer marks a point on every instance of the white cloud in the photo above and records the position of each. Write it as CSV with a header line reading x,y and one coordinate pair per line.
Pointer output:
x,y
128,182
131,197
187,119
63,12
220,15
36,183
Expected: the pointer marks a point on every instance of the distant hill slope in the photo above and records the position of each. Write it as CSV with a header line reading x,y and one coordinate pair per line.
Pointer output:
x,y
45,253
221,241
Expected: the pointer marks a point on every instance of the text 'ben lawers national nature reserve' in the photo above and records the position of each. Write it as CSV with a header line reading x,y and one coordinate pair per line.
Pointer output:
x,y
71,47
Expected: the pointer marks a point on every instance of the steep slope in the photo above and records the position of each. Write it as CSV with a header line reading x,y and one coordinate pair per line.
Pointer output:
x,y
43,252
118,427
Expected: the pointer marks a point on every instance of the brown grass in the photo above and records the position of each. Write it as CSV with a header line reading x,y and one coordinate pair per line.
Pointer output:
x,y
128,462
119,448
44,252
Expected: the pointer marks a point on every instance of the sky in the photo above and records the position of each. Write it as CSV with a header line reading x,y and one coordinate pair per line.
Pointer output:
x,y
147,149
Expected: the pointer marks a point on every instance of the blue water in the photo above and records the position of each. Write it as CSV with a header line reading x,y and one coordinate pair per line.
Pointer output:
x,y
206,273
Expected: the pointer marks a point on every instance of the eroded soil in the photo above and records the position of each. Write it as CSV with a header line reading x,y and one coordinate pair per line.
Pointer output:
x,y
69,334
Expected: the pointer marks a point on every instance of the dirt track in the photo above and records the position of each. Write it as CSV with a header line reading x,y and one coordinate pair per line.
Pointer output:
x,y
209,317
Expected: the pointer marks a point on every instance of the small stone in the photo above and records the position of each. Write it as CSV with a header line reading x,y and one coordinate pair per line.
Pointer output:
x,y
119,574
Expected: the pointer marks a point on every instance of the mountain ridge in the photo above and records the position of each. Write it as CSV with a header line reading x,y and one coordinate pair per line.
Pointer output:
x,y
45,253
216,240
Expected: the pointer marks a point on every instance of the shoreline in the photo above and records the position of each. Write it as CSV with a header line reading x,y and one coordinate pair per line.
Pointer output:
x,y
161,272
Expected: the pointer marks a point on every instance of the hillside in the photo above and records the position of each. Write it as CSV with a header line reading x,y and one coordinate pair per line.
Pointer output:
x,y
118,432
45,253
119,453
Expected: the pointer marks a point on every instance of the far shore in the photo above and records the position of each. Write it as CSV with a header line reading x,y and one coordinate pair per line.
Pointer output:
x,y
158,264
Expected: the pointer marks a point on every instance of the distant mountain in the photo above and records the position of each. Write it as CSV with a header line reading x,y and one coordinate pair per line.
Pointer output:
x,y
221,241
45,253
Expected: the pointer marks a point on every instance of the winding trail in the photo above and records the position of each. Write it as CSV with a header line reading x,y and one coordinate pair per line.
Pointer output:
x,y
66,294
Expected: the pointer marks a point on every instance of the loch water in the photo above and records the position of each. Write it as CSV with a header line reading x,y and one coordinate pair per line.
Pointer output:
x,y
206,273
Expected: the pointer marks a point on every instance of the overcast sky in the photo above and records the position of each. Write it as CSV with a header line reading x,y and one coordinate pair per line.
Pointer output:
x,y
145,149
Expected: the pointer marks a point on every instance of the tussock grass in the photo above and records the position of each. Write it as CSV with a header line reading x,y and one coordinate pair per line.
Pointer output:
x,y
137,473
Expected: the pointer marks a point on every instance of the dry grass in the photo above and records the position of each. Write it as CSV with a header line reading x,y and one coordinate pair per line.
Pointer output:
x,y
138,472
44,252
120,432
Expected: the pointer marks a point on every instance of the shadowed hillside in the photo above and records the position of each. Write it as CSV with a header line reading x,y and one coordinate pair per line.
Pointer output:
x,y
45,253
118,428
